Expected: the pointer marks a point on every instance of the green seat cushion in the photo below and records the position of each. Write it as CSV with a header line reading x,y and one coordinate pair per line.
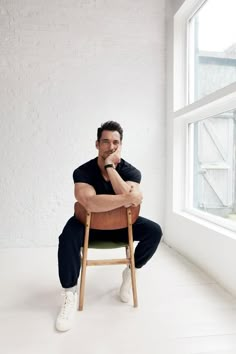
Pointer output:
x,y
106,244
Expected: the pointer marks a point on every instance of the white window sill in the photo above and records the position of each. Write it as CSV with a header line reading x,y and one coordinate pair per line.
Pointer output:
x,y
211,222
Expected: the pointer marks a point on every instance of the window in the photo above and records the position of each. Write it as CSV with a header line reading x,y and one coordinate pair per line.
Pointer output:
x,y
214,164
212,48
205,111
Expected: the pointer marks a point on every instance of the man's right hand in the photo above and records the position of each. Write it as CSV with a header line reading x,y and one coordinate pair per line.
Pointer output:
x,y
134,198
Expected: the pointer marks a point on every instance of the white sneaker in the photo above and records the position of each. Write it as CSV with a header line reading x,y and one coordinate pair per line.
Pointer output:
x,y
125,289
65,318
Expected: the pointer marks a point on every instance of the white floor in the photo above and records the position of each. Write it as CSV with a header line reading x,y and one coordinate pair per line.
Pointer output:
x,y
181,310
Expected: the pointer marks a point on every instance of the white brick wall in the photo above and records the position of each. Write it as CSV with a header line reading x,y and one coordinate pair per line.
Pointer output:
x,y
65,67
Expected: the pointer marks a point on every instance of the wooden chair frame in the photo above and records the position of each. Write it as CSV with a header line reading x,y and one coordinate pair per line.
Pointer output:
x,y
115,219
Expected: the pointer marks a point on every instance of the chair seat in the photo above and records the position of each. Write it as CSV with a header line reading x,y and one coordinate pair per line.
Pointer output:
x,y
106,244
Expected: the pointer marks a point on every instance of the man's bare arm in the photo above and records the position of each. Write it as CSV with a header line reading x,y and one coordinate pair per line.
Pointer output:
x,y
87,196
118,184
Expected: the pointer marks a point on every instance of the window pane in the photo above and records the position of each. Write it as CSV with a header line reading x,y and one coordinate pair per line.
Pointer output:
x,y
214,165
212,48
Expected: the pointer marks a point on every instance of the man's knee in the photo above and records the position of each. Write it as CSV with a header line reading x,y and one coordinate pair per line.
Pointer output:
x,y
71,231
155,231
147,229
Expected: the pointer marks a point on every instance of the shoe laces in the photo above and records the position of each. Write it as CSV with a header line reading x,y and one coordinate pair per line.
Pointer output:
x,y
68,305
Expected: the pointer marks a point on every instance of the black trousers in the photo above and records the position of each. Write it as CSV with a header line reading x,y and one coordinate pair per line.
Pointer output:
x,y
147,232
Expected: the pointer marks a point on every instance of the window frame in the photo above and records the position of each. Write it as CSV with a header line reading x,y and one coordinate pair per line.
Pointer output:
x,y
184,113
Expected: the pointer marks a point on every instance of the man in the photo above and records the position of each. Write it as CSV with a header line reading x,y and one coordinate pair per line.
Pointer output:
x,y
104,183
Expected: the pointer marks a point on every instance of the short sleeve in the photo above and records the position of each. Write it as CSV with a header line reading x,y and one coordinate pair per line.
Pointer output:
x,y
81,176
129,172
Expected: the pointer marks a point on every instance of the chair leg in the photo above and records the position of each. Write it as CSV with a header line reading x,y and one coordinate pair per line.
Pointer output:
x,y
133,279
82,284
131,256
84,263
133,275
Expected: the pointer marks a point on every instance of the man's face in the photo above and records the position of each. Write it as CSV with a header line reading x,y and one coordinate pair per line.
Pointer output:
x,y
108,143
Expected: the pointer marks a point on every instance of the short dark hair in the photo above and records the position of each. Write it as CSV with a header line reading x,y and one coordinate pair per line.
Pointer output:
x,y
112,126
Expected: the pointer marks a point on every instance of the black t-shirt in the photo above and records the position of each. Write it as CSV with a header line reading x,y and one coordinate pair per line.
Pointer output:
x,y
90,173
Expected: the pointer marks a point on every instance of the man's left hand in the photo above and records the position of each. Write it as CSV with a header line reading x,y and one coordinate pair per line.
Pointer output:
x,y
114,157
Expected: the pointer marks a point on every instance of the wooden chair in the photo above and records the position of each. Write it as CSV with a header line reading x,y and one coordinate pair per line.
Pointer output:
x,y
111,220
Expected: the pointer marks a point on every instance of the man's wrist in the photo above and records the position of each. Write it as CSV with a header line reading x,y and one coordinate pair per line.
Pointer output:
x,y
109,165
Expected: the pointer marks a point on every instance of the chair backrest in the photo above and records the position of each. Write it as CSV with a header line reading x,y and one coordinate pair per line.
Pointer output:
x,y
107,220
